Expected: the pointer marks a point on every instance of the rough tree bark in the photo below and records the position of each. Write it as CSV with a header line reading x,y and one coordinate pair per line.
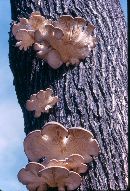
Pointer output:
x,y
92,95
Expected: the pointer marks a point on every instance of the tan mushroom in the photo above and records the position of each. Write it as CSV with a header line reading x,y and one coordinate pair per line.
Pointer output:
x,y
74,162
23,33
36,21
25,38
47,143
42,49
54,141
23,24
68,39
24,30
53,33
29,176
36,177
41,102
54,60
75,43
83,143
60,177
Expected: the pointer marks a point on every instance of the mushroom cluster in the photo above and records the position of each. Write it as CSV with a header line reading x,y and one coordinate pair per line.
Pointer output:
x,y
67,40
59,150
37,177
41,102
24,31
63,153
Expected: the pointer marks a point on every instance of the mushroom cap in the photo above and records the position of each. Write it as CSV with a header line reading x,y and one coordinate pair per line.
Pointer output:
x,y
74,162
74,40
83,143
65,22
37,21
60,177
39,144
54,31
80,21
54,141
41,102
26,38
22,30
36,177
23,24
68,40
29,174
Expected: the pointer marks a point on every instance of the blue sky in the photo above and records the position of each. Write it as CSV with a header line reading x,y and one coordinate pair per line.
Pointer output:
x,y
12,157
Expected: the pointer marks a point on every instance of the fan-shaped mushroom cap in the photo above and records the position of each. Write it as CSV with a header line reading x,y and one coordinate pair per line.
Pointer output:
x,y
38,37
35,22
68,39
25,38
75,42
60,177
41,102
74,162
29,176
23,24
83,143
53,32
65,22
80,21
45,143
56,142
36,177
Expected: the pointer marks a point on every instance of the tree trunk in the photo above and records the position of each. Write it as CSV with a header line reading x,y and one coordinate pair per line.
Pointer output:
x,y
92,95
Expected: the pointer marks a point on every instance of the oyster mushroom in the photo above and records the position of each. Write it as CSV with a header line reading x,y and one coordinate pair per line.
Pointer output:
x,y
54,59
53,32
41,102
54,141
74,162
44,50
36,21
23,24
60,177
25,38
24,30
68,40
36,177
75,43
29,176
